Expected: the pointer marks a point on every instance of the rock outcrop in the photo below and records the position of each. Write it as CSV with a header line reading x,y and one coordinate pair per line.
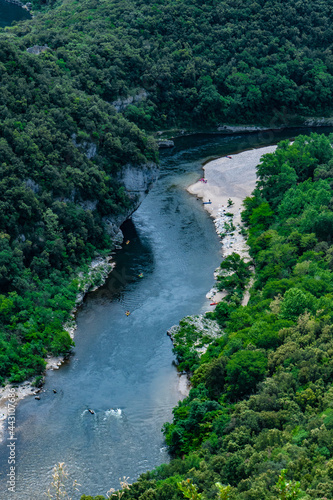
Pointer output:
x,y
121,104
31,184
137,180
89,148
203,332
318,122
239,129
165,143
37,49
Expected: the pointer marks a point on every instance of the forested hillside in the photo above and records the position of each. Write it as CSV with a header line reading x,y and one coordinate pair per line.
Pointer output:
x,y
258,423
61,151
63,142
73,115
201,63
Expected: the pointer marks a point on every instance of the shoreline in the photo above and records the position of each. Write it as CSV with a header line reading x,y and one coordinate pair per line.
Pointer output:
x,y
222,176
234,178
231,177
98,271
225,129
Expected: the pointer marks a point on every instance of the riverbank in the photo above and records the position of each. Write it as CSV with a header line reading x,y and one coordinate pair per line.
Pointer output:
x,y
89,281
288,123
229,178
227,181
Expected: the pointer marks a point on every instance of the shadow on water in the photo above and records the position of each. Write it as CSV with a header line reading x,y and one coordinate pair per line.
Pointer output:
x,y
134,259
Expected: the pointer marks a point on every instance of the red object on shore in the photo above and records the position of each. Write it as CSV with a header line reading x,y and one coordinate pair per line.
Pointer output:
x,y
214,303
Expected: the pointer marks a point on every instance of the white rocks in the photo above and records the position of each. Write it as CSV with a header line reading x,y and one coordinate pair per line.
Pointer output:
x,y
238,129
89,148
121,104
206,331
36,49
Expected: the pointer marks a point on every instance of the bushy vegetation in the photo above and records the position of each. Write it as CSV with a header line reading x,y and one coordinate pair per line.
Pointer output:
x,y
262,396
259,417
61,151
200,63
62,143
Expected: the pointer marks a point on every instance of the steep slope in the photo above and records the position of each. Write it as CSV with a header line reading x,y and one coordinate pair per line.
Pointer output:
x,y
193,63
66,162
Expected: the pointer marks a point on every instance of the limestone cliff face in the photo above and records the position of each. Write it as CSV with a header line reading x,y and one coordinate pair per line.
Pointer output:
x,y
121,104
318,122
87,147
137,180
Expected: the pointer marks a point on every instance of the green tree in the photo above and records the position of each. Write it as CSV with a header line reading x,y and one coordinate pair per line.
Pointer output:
x,y
296,302
245,370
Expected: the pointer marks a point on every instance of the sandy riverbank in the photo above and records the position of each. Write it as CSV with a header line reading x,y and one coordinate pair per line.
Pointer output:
x,y
226,178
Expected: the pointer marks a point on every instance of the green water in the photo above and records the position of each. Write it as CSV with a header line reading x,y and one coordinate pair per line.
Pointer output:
x,y
10,12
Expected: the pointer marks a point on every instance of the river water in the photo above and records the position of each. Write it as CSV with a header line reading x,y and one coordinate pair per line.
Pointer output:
x,y
122,367
10,12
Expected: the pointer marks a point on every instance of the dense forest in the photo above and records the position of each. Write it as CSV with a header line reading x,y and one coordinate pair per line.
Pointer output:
x,y
199,63
60,155
73,114
258,422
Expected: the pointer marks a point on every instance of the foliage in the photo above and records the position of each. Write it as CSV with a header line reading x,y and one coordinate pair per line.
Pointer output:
x,y
197,63
261,405
62,148
233,278
61,155
161,64
124,485
189,490
288,490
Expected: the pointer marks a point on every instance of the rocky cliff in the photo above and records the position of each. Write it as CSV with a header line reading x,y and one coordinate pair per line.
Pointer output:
x,y
137,180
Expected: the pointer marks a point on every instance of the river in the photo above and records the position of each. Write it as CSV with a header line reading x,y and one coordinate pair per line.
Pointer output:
x,y
122,367
10,12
